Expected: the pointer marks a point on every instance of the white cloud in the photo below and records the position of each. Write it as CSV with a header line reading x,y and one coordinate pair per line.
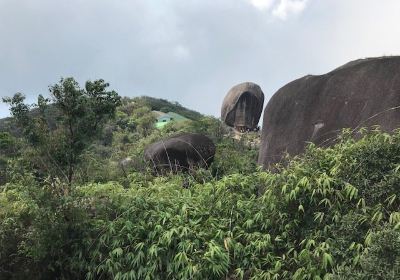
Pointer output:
x,y
181,52
280,9
287,8
262,4
194,50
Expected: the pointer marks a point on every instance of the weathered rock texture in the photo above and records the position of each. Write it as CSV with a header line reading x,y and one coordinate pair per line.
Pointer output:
x,y
242,106
181,153
361,93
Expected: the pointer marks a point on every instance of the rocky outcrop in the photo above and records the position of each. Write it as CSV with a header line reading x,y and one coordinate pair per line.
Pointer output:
x,y
359,94
242,106
181,152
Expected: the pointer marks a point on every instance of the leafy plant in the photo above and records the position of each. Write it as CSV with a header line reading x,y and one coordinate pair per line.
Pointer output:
x,y
331,213
80,116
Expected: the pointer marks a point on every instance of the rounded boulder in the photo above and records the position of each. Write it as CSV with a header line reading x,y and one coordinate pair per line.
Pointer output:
x,y
242,106
181,152
362,93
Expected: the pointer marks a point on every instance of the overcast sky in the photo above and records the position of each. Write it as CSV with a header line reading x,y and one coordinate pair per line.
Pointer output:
x,y
190,51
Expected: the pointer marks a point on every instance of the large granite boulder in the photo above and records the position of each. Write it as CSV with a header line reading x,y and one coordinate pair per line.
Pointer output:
x,y
315,109
181,152
242,106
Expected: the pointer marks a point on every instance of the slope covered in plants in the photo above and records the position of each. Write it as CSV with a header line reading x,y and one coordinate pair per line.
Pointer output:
x,y
330,214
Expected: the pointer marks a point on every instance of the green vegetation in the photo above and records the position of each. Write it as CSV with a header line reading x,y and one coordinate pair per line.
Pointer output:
x,y
166,106
331,213
81,114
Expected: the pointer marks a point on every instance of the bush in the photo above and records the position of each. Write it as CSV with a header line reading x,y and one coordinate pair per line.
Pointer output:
x,y
380,261
331,213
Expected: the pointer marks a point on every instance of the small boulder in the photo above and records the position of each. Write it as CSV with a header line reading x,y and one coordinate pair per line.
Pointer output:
x,y
181,152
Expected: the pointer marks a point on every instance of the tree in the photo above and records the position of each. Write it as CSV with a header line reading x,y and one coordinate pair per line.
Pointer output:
x,y
62,127
8,149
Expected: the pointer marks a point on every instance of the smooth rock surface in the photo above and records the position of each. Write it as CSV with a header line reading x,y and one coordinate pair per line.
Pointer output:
x,y
242,106
315,109
181,152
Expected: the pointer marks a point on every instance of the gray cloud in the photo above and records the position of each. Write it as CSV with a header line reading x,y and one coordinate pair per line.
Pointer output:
x,y
188,51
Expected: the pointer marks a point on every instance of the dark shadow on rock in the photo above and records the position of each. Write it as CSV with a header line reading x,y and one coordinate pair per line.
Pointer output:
x,y
242,106
182,152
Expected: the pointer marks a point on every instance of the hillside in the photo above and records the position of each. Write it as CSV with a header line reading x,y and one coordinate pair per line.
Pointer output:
x,y
155,104
127,134
331,213
6,124
166,106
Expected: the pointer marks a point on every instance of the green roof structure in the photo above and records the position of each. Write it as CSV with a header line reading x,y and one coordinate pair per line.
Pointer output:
x,y
166,118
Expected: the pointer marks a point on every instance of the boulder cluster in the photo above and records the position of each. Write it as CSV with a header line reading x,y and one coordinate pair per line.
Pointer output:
x,y
361,93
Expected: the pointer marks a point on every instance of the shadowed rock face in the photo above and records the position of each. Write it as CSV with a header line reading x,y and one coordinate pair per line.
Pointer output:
x,y
361,93
181,153
242,106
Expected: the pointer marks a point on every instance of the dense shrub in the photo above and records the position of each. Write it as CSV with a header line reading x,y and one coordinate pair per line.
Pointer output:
x,y
381,260
332,213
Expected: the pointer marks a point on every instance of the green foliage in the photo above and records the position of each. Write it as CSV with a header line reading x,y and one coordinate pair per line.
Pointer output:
x,y
20,111
330,214
233,157
100,157
8,149
38,226
133,130
381,260
6,142
166,106
81,115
